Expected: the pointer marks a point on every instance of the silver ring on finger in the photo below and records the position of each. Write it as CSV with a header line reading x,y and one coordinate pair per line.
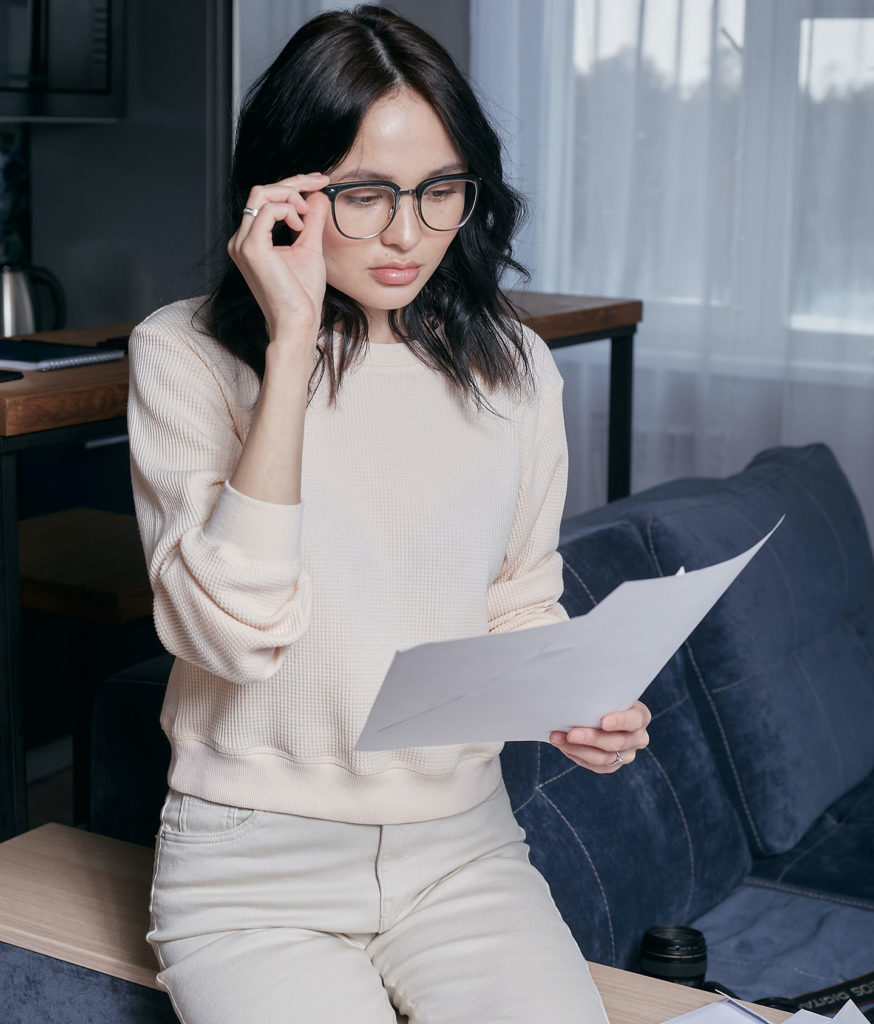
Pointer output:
x,y
253,212
619,759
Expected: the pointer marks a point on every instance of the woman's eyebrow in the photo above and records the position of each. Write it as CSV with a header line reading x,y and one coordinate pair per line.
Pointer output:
x,y
365,174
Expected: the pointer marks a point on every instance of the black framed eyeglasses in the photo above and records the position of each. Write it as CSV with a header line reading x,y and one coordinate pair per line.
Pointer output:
x,y
364,209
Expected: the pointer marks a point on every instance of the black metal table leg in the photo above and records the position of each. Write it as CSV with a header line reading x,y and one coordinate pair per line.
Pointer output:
x,y
619,446
13,784
619,419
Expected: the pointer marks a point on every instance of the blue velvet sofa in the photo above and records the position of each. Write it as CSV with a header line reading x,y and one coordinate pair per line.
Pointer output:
x,y
751,814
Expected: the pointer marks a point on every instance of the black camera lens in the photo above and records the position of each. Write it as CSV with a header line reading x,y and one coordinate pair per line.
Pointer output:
x,y
673,953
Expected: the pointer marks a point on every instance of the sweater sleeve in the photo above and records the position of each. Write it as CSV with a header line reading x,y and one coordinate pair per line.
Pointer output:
x,y
225,568
527,588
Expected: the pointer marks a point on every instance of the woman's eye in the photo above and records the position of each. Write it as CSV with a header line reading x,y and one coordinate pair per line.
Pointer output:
x,y
442,194
360,199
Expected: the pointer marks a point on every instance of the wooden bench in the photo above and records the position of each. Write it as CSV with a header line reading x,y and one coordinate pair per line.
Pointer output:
x,y
78,897
83,898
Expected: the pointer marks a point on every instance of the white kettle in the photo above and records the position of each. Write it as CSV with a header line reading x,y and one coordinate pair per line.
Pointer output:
x,y
22,305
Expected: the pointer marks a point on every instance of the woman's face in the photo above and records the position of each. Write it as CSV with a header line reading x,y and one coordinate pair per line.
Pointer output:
x,y
401,140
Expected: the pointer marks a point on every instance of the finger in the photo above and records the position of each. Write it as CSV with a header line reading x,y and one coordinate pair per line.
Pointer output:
x,y
595,760
313,223
592,755
286,190
258,230
602,740
608,742
638,716
303,181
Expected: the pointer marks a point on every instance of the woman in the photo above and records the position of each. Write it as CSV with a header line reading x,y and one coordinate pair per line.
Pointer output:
x,y
349,448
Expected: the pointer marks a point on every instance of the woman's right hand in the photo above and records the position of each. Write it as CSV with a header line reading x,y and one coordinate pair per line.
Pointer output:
x,y
288,282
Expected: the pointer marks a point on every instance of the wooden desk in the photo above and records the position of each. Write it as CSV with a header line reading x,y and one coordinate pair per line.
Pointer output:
x,y
84,402
84,898
51,407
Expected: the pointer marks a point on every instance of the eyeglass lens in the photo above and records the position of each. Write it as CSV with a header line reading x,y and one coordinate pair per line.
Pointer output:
x,y
366,211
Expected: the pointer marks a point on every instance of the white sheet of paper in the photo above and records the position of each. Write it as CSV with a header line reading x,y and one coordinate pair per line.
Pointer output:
x,y
722,1012
849,1013
727,1012
525,684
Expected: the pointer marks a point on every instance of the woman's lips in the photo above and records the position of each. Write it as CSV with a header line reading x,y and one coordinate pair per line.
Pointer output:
x,y
396,273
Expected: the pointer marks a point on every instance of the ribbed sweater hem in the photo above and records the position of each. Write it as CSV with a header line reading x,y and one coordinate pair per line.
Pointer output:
x,y
272,783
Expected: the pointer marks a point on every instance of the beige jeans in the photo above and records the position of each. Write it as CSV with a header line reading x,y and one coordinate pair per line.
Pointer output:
x,y
269,918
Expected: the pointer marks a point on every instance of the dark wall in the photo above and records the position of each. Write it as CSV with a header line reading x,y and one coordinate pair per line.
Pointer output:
x,y
124,213
119,210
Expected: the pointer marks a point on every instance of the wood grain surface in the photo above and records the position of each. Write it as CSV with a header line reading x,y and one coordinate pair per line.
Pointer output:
x,y
85,394
86,563
563,316
78,897
45,399
84,898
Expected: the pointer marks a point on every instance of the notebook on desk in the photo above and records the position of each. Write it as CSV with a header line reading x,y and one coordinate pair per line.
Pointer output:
x,y
26,354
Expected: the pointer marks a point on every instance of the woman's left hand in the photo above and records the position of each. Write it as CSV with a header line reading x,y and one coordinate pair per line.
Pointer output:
x,y
605,750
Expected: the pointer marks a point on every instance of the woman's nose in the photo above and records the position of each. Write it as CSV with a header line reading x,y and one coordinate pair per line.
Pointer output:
x,y
406,228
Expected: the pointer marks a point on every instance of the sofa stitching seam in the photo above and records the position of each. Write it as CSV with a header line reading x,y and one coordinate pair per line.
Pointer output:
x,y
800,890
594,872
560,775
779,661
726,745
581,582
772,551
651,545
852,627
670,707
685,821
791,967
533,792
822,710
800,857
774,474
834,533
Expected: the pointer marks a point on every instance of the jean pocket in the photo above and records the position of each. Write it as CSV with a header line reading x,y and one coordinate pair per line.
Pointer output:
x,y
191,819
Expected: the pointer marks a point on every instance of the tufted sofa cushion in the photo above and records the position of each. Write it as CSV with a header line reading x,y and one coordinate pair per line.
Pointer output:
x,y
782,669
835,856
658,844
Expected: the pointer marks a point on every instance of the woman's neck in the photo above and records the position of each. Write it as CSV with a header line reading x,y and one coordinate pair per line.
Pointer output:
x,y
379,330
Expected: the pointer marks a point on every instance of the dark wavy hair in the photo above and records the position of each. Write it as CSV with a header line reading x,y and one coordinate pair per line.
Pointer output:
x,y
303,114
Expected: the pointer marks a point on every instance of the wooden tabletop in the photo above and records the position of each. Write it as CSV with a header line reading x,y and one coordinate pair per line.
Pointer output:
x,y
555,316
83,898
43,400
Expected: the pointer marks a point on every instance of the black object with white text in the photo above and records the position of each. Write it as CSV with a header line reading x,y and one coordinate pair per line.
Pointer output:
x,y
27,354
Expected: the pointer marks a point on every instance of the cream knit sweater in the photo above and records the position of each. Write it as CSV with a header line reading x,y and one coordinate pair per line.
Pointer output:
x,y
421,520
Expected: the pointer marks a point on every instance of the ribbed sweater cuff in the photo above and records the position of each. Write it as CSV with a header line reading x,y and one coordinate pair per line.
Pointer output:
x,y
264,530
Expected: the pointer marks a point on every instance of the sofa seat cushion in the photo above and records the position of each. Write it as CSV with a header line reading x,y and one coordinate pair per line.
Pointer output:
x,y
782,669
836,855
35,989
764,942
657,842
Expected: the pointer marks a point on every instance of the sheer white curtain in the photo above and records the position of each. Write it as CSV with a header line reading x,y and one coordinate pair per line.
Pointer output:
x,y
714,158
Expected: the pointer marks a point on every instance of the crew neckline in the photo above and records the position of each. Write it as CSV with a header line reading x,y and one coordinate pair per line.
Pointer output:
x,y
390,354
